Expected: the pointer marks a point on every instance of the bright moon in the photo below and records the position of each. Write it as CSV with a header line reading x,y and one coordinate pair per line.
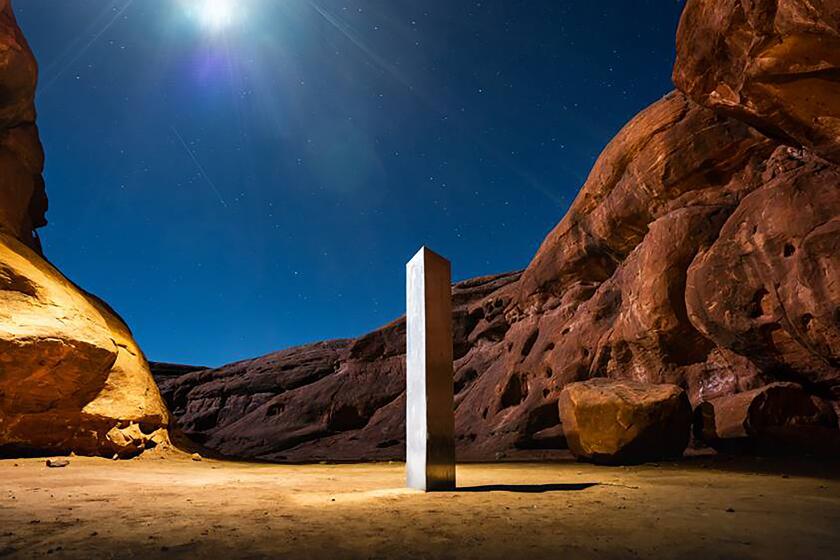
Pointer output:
x,y
213,15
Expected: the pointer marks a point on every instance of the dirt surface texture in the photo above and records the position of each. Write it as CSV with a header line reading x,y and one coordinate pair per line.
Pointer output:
x,y
702,507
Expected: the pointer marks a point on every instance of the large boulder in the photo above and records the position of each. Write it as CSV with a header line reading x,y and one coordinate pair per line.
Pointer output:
x,y
771,63
623,422
780,418
71,376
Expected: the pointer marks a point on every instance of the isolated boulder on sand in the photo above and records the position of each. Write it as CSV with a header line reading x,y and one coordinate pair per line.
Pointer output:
x,y
624,422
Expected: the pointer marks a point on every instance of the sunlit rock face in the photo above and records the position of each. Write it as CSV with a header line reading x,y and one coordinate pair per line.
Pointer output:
x,y
624,422
71,376
701,252
690,223
606,291
771,63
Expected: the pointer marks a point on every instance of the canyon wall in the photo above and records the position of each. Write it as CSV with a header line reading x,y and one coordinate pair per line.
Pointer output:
x,y
71,376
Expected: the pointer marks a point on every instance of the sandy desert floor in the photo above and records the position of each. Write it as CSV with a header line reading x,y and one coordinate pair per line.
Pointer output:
x,y
704,507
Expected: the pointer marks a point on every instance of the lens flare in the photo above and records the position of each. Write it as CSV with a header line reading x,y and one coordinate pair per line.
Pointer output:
x,y
213,15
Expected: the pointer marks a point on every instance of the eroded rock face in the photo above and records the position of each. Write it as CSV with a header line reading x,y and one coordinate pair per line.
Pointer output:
x,y
623,422
71,376
23,201
606,289
780,418
769,286
771,63
672,155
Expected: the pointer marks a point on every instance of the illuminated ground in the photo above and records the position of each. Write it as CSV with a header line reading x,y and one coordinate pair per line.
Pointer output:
x,y
148,508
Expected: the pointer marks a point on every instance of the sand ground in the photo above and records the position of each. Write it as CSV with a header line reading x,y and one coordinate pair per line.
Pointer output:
x,y
172,507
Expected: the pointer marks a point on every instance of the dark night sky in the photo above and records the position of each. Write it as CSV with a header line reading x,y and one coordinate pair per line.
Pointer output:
x,y
234,186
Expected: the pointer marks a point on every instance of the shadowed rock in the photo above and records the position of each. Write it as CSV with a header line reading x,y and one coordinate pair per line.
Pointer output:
x,y
164,370
622,422
23,201
780,418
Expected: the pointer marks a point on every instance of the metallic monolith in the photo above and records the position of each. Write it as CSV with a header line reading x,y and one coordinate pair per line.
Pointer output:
x,y
430,416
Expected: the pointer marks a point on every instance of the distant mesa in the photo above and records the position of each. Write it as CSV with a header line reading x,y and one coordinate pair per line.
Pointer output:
x,y
163,370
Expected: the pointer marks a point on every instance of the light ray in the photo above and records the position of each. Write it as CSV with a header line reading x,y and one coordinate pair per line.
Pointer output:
x,y
348,32
199,166
51,81
427,100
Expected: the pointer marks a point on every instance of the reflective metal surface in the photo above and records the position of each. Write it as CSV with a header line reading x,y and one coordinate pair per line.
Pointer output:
x,y
430,417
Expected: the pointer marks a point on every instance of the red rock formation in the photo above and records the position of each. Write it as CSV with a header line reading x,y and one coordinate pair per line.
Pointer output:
x,y
610,279
23,201
700,252
71,376
769,286
771,63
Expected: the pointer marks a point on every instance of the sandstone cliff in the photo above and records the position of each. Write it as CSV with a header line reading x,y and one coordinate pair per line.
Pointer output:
x,y
71,376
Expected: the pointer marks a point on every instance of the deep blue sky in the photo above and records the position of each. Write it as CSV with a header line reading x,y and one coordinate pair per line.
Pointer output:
x,y
236,189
